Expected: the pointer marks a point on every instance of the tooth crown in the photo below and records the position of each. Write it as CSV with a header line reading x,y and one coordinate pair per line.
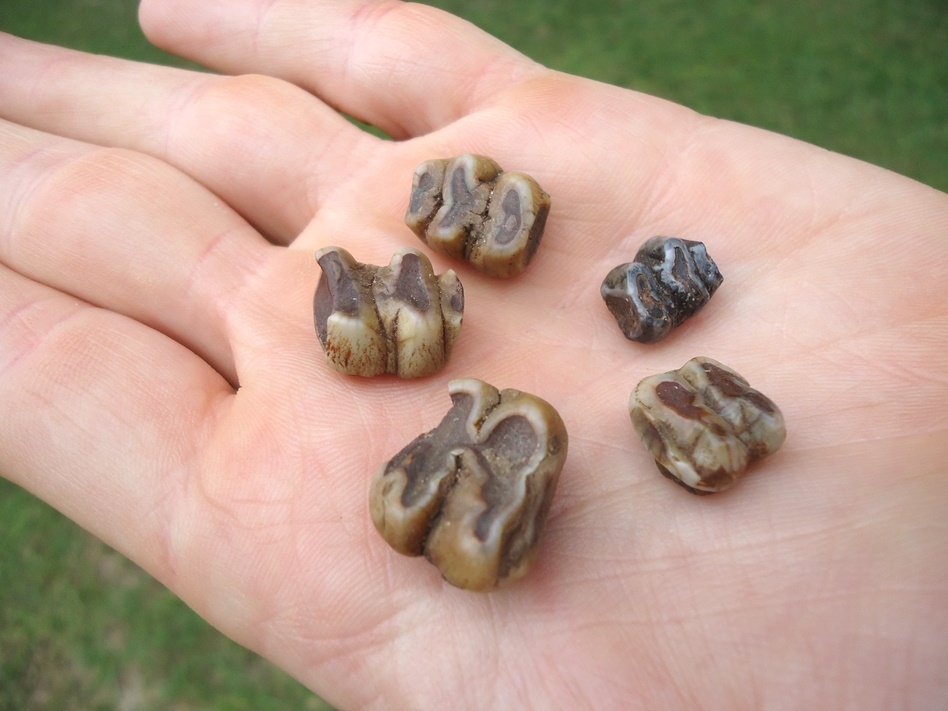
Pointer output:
x,y
472,494
400,319
704,424
669,281
468,208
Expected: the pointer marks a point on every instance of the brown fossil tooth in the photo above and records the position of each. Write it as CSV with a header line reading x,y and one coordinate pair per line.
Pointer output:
x,y
472,494
400,319
668,282
468,208
704,424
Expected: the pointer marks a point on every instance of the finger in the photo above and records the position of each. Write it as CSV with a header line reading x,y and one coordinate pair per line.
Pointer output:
x,y
406,68
128,233
262,145
84,392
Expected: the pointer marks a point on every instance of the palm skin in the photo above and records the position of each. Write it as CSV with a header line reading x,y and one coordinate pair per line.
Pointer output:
x,y
162,384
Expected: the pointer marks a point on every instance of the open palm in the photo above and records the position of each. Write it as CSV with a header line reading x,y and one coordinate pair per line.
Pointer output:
x,y
163,386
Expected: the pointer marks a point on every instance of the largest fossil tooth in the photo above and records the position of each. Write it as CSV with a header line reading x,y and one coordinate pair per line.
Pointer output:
x,y
400,319
473,493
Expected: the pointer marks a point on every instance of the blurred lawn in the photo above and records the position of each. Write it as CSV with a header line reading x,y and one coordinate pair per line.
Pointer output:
x,y
868,78
82,628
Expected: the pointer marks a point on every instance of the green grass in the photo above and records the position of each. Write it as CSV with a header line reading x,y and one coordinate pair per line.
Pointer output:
x,y
100,26
868,78
82,628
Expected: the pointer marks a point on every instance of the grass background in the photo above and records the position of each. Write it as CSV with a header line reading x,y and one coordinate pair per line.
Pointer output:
x,y
83,628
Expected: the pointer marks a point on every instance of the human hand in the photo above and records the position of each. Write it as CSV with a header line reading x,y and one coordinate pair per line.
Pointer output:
x,y
137,292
